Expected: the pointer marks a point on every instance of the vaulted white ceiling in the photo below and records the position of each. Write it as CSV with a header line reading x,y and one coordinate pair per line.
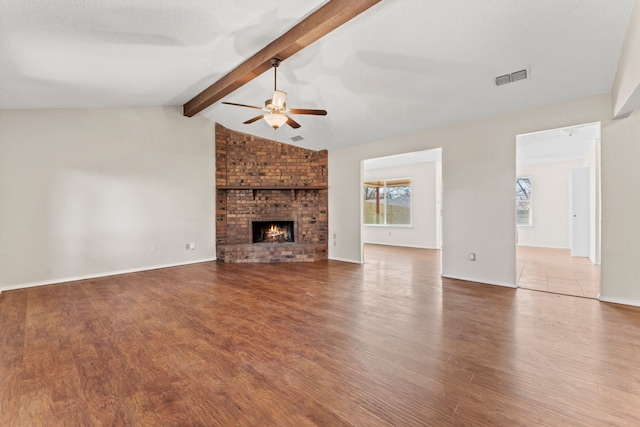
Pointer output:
x,y
400,67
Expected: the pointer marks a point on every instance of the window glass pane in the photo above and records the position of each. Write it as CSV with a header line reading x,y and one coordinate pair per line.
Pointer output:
x,y
523,213
523,188
523,201
374,207
399,204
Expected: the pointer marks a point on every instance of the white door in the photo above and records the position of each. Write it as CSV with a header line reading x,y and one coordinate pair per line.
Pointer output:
x,y
580,212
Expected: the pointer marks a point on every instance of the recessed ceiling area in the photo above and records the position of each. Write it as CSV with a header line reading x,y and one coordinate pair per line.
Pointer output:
x,y
398,68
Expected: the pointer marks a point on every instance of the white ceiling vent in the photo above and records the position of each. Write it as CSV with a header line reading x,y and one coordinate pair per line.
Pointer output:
x,y
296,138
510,78
503,80
519,75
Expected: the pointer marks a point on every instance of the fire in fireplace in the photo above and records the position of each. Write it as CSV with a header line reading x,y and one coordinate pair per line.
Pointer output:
x,y
272,231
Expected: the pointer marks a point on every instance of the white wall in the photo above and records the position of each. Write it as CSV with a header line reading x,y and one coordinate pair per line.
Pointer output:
x,y
438,213
620,148
90,192
422,233
592,161
550,204
478,167
626,85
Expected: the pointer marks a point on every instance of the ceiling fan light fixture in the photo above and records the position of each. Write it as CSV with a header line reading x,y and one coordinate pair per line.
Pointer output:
x,y
278,98
275,120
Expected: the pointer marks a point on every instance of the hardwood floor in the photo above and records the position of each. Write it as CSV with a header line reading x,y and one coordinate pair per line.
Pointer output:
x,y
325,343
555,270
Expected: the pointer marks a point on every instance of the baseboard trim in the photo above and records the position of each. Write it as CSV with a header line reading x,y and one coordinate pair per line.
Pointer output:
x,y
545,247
622,301
351,261
483,282
98,275
400,246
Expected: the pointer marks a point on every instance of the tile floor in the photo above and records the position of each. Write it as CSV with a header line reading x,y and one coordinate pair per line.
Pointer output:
x,y
555,270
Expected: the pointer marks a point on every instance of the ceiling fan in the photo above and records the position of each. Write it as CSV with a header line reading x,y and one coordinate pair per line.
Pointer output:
x,y
275,111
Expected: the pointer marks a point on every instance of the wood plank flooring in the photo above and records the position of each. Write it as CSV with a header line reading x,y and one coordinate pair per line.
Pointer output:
x,y
325,343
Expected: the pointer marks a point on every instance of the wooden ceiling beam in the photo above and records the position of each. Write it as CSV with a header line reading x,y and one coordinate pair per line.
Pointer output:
x,y
320,23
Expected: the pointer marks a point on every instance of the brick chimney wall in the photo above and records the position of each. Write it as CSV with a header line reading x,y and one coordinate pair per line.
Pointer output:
x,y
258,179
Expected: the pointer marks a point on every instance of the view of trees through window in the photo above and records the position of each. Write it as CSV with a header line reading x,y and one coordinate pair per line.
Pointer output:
x,y
387,201
523,201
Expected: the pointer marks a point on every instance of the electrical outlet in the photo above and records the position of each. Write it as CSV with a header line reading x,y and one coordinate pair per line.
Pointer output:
x,y
152,249
472,256
190,246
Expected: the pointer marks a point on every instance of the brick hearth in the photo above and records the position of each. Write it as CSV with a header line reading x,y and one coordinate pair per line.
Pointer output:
x,y
258,179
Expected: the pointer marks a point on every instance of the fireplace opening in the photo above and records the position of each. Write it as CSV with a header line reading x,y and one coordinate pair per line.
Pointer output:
x,y
272,231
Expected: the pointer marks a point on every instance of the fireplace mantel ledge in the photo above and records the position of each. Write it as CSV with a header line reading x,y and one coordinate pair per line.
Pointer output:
x,y
271,187
294,189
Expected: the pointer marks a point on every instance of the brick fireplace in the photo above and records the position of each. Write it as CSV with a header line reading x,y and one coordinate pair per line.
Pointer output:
x,y
263,181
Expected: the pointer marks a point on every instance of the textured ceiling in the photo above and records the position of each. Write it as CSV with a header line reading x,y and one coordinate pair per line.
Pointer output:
x,y
400,67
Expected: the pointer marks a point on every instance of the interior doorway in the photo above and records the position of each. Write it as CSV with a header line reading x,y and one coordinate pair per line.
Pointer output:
x,y
558,210
402,200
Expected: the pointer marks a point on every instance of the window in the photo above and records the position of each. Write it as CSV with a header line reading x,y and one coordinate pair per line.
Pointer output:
x,y
387,202
523,201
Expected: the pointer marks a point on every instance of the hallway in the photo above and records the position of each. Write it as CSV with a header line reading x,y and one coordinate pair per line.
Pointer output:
x,y
556,271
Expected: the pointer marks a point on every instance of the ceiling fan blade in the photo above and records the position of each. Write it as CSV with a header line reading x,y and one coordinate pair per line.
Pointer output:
x,y
255,119
308,111
292,123
242,105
